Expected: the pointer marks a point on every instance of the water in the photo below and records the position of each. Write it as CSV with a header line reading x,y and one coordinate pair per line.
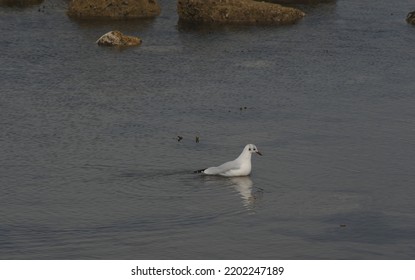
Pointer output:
x,y
91,167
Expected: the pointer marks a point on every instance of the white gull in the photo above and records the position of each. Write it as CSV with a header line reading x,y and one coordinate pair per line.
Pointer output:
x,y
241,166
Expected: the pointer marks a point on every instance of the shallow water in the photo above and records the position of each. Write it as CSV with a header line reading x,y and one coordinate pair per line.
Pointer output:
x,y
91,167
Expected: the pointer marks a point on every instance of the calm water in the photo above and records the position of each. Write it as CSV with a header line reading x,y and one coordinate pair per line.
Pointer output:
x,y
91,169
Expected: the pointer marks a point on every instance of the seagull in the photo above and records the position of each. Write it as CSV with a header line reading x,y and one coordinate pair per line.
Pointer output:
x,y
241,166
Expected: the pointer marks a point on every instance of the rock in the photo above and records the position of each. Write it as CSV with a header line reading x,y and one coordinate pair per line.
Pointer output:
x,y
20,3
410,18
236,11
116,9
116,38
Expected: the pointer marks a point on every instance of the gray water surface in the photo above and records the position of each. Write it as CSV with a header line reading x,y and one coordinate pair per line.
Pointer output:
x,y
90,167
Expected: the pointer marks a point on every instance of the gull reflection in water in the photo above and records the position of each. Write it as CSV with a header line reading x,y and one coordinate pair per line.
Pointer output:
x,y
244,186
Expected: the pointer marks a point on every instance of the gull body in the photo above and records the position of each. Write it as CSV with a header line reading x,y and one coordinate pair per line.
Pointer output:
x,y
241,166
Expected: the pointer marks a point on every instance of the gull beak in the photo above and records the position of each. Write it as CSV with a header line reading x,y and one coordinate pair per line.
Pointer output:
x,y
259,153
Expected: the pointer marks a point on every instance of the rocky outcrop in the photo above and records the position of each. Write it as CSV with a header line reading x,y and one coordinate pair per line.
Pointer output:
x,y
20,3
236,11
116,38
410,18
117,9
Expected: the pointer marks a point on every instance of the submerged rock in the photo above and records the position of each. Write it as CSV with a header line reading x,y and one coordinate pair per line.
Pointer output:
x,y
236,11
117,9
410,18
116,38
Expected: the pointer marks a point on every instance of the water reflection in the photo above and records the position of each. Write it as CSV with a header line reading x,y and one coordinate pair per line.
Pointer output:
x,y
249,195
297,2
130,25
20,3
209,28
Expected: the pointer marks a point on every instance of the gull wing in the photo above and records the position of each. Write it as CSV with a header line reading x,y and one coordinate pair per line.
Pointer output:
x,y
222,169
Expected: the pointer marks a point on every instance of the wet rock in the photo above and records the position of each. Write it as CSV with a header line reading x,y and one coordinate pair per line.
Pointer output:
x,y
236,12
115,9
410,18
116,38
20,3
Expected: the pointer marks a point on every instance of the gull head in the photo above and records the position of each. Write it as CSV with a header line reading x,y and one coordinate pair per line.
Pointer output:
x,y
251,148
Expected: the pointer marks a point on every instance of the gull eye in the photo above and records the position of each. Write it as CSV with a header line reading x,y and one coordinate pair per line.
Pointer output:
x,y
249,148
